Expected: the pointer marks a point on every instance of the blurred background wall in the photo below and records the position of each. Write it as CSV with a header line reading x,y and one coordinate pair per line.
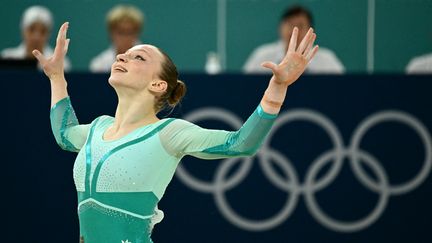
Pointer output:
x,y
290,192
397,30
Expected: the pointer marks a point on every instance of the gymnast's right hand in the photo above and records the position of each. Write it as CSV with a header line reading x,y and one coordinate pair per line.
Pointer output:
x,y
53,66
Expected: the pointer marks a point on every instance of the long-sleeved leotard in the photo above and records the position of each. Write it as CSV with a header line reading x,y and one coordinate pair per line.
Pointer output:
x,y
119,182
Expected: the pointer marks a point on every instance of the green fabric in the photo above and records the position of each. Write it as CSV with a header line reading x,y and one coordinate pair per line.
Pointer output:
x,y
62,116
120,182
101,227
131,201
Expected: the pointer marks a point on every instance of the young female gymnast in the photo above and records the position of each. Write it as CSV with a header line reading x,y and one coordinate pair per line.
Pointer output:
x,y
125,163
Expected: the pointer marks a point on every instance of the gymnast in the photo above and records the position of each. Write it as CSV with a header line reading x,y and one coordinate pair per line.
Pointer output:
x,y
125,162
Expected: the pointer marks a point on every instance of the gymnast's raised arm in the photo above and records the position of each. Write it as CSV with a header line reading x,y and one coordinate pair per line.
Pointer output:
x,y
288,70
53,66
185,138
68,133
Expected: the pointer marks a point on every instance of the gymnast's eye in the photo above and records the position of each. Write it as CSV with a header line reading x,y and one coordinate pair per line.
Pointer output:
x,y
138,57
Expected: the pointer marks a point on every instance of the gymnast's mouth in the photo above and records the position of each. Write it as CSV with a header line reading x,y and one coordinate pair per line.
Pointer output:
x,y
120,69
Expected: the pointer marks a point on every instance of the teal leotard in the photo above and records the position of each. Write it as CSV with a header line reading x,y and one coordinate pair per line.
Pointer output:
x,y
119,182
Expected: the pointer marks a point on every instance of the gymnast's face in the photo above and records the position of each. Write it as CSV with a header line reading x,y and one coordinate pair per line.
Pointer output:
x,y
138,69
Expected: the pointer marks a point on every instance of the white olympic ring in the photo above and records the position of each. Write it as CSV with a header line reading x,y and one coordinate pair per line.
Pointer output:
x,y
292,185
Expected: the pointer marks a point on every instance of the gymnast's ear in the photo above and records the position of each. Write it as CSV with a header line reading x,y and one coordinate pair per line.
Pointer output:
x,y
158,86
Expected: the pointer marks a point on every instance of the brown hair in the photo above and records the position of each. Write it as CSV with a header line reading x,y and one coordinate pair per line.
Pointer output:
x,y
176,88
295,11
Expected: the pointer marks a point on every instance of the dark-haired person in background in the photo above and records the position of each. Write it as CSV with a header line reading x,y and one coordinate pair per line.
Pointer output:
x,y
324,62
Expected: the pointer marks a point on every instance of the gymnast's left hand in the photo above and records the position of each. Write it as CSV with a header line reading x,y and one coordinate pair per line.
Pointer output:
x,y
296,59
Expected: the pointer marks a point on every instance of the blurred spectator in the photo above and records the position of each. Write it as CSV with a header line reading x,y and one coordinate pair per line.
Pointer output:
x,y
324,62
420,65
36,25
124,25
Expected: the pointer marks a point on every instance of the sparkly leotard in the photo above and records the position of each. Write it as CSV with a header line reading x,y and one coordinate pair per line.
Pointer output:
x,y
119,182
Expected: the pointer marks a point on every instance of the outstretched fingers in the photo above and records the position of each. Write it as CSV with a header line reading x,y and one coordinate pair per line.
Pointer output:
x,y
66,45
39,56
61,43
310,45
312,53
306,39
293,41
270,65
61,35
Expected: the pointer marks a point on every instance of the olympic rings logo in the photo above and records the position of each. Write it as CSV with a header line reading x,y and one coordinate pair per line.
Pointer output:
x,y
311,185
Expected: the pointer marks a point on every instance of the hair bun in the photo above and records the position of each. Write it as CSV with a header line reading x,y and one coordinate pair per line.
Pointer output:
x,y
177,93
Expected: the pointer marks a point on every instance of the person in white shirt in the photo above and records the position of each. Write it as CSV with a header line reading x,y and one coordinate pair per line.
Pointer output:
x,y
324,62
124,25
420,65
36,25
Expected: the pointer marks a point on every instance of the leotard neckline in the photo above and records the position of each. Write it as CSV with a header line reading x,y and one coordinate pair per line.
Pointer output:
x,y
111,120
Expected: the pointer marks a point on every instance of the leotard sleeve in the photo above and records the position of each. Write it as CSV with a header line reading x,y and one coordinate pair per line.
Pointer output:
x,y
68,133
182,137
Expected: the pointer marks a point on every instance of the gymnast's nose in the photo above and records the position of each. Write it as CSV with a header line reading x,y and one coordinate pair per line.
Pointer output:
x,y
121,58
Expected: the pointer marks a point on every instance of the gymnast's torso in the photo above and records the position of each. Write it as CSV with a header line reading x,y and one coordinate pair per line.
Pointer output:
x,y
119,182
127,177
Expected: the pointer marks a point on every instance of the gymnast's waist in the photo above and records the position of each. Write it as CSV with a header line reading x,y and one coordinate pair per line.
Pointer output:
x,y
138,204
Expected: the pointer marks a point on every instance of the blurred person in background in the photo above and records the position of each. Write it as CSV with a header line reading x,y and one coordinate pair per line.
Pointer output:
x,y
124,26
36,25
324,62
420,65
